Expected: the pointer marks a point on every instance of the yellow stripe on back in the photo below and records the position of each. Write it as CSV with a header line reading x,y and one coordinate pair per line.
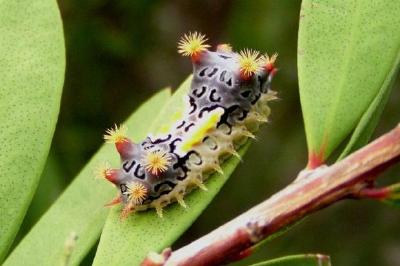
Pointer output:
x,y
199,132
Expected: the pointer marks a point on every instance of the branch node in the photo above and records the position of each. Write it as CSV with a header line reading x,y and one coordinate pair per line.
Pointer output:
x,y
155,259
307,173
254,231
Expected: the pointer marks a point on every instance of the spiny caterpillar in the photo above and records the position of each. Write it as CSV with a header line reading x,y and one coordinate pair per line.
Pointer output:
x,y
226,104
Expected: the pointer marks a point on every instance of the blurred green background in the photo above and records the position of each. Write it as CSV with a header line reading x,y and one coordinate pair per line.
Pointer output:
x,y
121,52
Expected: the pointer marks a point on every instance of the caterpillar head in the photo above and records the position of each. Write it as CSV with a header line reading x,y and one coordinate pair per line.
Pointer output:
x,y
144,166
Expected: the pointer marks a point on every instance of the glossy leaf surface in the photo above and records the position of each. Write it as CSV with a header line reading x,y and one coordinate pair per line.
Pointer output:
x,y
32,63
346,50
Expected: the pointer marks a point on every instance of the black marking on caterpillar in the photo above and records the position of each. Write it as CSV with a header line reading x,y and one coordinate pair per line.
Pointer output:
x,y
226,90
168,183
193,105
127,167
137,174
123,188
172,145
214,98
212,73
161,140
201,93
187,128
208,109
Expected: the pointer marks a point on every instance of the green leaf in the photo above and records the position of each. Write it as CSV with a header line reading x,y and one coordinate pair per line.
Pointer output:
x,y
346,50
79,210
394,195
370,118
52,183
298,260
32,64
132,239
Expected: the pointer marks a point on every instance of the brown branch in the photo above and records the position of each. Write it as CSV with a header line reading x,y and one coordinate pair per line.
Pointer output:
x,y
312,190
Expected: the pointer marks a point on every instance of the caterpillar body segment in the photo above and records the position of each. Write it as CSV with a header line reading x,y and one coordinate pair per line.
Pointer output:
x,y
226,104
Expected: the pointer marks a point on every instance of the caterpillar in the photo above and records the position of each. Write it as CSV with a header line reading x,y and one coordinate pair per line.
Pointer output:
x,y
225,105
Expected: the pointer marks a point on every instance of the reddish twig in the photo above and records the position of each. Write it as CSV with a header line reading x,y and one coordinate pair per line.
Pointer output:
x,y
311,191
374,193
